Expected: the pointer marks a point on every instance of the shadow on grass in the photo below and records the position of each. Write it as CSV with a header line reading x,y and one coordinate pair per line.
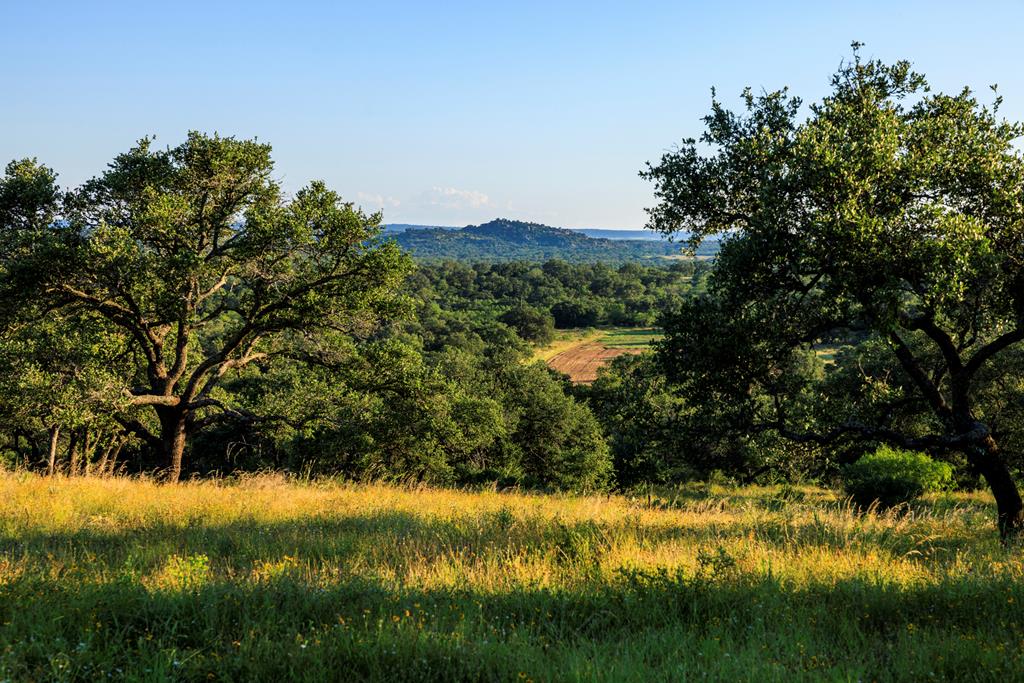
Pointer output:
x,y
361,628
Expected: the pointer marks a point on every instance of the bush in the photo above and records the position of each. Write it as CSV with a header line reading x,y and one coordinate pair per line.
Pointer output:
x,y
893,476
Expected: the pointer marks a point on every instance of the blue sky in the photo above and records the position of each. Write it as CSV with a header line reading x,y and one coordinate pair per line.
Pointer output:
x,y
454,113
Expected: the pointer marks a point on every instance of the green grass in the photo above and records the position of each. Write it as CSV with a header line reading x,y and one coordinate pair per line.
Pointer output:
x,y
614,338
566,340
827,352
263,579
630,338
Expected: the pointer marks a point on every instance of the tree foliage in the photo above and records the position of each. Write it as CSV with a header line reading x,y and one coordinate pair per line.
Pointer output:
x,y
195,255
885,211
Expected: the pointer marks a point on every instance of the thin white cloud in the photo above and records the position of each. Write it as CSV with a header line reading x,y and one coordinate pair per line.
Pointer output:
x,y
454,198
441,205
376,201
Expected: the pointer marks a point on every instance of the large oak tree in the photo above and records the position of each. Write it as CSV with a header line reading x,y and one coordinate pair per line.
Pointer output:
x,y
886,210
202,263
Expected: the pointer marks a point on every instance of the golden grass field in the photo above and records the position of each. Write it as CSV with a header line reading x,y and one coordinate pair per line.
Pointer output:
x,y
566,340
263,578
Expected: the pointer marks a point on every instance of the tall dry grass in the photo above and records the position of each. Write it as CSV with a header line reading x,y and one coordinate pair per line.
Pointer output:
x,y
263,578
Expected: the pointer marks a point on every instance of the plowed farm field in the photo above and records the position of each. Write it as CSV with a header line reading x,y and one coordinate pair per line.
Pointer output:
x,y
583,360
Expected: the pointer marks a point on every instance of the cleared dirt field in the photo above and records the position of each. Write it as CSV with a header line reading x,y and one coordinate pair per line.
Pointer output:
x,y
581,363
594,349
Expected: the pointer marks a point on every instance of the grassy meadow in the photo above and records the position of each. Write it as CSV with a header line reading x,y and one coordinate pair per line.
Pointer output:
x,y
630,338
612,338
566,340
265,579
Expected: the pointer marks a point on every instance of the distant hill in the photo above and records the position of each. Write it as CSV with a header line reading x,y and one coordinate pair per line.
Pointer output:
x,y
598,233
611,234
402,227
508,240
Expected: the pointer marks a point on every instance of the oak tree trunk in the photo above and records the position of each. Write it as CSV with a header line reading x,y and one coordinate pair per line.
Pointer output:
x,y
51,464
1009,507
172,442
87,447
73,454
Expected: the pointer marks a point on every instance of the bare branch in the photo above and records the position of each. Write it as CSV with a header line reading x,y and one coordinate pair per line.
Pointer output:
x,y
916,372
926,324
992,348
154,400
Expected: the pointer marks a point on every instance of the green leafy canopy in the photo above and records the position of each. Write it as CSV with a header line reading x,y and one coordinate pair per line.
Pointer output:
x,y
195,255
885,210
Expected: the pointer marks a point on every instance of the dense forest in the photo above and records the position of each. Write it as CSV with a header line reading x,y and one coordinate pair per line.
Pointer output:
x,y
440,388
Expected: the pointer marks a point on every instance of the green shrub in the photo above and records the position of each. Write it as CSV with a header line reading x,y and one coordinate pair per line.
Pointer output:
x,y
892,476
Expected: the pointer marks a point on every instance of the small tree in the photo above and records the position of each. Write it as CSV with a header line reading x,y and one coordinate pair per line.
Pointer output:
x,y
197,256
56,379
530,323
889,210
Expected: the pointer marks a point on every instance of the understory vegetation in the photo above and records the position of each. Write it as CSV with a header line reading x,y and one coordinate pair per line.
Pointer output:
x,y
259,578
889,477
